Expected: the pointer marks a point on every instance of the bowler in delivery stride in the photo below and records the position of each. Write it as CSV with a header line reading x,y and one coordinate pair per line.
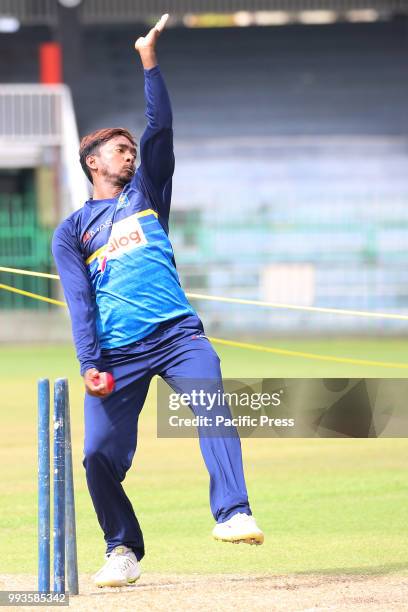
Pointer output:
x,y
131,320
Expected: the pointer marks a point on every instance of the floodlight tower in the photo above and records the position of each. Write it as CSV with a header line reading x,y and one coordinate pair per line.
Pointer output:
x,y
68,34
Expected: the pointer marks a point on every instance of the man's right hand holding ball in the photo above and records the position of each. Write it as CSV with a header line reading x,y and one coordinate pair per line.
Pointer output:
x,y
98,384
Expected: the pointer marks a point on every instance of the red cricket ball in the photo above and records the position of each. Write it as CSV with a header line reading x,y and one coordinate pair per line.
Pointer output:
x,y
107,379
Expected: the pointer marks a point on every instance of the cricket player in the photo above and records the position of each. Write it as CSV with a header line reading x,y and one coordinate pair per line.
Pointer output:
x,y
131,319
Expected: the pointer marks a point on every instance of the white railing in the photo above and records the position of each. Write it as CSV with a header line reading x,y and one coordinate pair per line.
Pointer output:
x,y
38,117
31,112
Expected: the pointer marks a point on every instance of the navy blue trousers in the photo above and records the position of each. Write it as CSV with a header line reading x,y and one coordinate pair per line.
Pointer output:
x,y
175,351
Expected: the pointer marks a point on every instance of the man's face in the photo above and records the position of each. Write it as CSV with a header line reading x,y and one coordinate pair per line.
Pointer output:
x,y
114,161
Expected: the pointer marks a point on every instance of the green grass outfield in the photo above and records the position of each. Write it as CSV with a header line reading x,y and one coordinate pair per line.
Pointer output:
x,y
325,505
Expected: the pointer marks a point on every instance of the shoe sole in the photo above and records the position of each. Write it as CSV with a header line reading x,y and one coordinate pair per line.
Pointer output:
x,y
117,583
252,538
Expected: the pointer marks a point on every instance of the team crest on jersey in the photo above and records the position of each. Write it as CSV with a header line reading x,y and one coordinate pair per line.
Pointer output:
x,y
126,235
123,201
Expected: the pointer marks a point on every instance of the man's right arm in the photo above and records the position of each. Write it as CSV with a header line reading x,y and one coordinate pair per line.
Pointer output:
x,y
78,294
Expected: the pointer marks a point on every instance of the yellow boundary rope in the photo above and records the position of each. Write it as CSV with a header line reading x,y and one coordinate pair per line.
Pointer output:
x,y
267,349
338,311
244,345
35,296
29,273
217,298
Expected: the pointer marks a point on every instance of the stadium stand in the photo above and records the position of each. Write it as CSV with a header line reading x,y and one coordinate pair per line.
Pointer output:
x,y
291,148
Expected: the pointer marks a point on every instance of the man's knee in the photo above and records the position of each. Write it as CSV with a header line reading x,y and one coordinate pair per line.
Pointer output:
x,y
98,458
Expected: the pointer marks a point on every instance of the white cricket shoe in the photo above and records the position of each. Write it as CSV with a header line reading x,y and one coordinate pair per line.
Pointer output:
x,y
239,528
120,569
